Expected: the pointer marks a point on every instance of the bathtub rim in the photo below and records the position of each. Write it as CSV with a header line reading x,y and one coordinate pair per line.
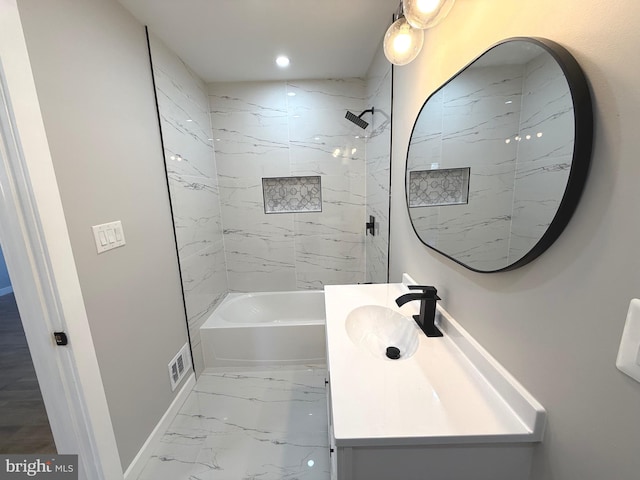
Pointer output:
x,y
215,320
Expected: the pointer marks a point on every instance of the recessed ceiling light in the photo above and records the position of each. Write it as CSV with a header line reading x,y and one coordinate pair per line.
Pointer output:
x,y
282,61
292,94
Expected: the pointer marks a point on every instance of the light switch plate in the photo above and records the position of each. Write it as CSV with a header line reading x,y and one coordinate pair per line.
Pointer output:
x,y
111,232
629,353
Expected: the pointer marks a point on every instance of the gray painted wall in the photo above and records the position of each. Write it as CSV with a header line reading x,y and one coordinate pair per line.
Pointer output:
x,y
556,323
91,68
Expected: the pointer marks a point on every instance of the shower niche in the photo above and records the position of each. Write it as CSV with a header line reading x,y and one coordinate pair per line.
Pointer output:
x,y
292,194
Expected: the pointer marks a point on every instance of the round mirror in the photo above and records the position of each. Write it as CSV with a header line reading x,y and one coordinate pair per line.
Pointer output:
x,y
499,155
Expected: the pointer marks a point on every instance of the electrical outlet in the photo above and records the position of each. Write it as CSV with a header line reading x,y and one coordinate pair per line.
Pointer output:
x,y
629,354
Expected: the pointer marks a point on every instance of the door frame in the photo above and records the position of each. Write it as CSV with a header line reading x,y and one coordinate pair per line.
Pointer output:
x,y
38,253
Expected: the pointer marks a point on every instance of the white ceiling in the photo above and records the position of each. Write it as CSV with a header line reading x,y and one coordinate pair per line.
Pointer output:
x,y
238,40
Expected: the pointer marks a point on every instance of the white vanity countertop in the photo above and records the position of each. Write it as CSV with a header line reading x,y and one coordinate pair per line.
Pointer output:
x,y
450,391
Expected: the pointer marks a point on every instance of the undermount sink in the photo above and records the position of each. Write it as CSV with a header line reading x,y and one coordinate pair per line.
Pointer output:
x,y
376,328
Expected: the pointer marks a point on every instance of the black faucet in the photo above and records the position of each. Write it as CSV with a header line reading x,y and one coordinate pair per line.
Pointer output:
x,y
428,297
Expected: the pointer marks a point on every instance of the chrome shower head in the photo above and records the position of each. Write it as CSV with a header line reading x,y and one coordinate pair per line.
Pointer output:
x,y
357,119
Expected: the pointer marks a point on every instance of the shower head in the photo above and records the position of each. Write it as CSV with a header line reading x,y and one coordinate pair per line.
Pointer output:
x,y
357,119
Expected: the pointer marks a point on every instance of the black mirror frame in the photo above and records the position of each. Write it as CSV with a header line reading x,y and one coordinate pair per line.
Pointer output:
x,y
581,160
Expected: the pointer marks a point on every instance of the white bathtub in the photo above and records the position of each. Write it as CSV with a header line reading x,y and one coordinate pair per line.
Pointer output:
x,y
271,328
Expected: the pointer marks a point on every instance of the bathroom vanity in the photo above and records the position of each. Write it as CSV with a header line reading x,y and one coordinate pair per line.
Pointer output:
x,y
444,410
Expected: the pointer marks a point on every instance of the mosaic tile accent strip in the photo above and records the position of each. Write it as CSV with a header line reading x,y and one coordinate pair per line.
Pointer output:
x,y
292,194
432,188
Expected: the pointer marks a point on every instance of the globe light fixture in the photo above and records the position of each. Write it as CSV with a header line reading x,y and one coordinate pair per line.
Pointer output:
x,y
426,13
405,37
402,42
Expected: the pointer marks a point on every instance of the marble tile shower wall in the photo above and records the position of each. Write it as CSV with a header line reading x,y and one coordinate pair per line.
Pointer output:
x,y
281,129
450,138
186,131
544,154
518,156
491,185
378,167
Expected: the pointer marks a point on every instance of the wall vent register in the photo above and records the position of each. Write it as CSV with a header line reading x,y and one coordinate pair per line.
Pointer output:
x,y
292,194
179,366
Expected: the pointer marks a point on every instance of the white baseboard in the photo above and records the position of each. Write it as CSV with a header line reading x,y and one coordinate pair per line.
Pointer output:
x,y
6,290
138,463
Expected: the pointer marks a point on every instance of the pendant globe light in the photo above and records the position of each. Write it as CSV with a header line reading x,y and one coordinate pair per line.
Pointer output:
x,y
402,42
426,13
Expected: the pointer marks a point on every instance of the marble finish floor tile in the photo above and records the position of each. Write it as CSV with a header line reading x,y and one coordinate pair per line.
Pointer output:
x,y
265,423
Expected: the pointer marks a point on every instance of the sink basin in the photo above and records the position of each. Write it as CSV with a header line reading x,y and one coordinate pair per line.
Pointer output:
x,y
375,328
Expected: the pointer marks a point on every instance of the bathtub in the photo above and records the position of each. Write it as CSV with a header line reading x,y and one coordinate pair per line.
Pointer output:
x,y
271,328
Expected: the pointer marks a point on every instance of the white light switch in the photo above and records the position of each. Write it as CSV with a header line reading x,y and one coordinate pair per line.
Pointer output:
x,y
108,236
629,354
